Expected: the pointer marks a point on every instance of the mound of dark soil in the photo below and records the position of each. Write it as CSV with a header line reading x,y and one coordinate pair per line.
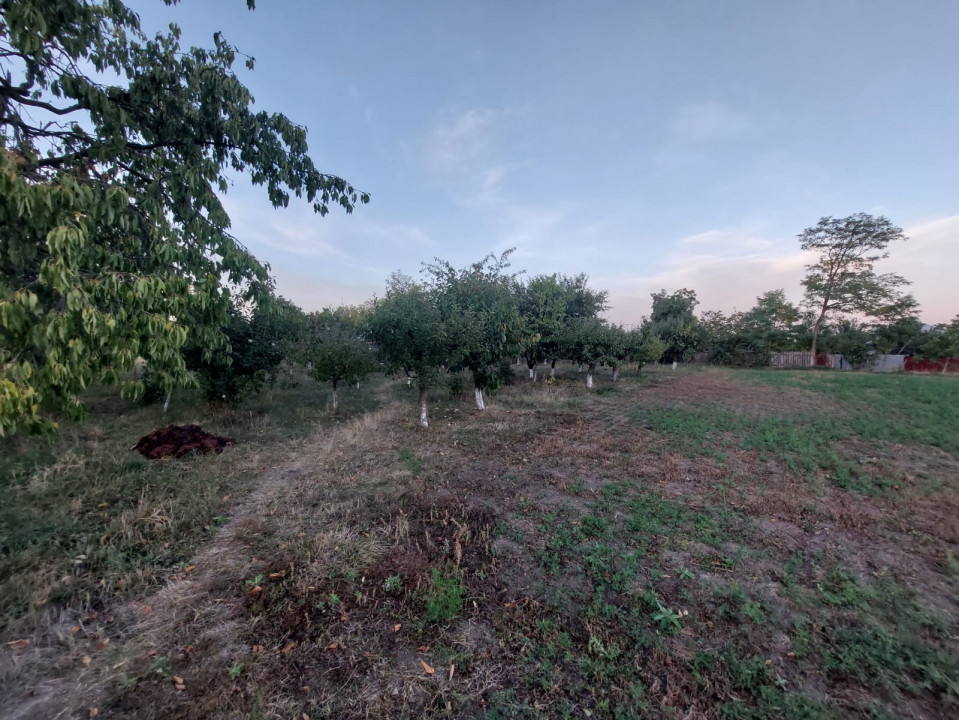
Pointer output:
x,y
178,440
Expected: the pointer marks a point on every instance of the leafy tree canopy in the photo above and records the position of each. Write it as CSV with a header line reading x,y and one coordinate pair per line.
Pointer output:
x,y
334,348
673,320
113,146
842,281
479,315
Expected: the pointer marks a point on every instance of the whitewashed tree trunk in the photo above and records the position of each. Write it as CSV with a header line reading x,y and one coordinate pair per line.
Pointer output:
x,y
480,405
675,364
532,375
552,371
166,403
409,381
424,420
615,374
334,396
589,375
579,368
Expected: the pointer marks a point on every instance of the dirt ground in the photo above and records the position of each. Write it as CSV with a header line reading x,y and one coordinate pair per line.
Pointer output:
x,y
558,555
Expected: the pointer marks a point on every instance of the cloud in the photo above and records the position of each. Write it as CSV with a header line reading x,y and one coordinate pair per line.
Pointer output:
x,y
728,269
929,259
462,153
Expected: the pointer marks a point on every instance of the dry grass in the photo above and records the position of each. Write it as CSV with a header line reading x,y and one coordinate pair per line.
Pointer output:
x,y
552,555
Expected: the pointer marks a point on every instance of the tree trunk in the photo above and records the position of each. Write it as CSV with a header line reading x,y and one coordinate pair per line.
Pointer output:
x,y
552,368
579,368
531,374
166,403
615,374
639,369
945,366
334,395
480,405
815,331
589,376
424,420
675,364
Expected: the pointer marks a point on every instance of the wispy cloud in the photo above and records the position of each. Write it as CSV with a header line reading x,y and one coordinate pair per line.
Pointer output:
x,y
462,151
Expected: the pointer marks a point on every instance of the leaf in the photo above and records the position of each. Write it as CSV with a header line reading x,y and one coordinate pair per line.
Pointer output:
x,y
429,670
289,647
397,627
19,644
177,680
94,712
86,660
423,648
332,646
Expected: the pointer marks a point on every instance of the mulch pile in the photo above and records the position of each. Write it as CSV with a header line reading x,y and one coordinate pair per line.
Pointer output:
x,y
178,440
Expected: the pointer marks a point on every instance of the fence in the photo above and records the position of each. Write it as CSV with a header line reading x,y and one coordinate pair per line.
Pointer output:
x,y
951,365
804,359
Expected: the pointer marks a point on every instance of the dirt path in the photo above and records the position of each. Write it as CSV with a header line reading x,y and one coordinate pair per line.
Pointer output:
x,y
89,663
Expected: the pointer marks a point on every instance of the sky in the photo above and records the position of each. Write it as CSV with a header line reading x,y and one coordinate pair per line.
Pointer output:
x,y
650,145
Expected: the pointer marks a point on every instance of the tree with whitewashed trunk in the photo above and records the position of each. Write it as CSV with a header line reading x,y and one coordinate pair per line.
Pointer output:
x,y
645,346
480,317
842,280
587,341
548,303
542,303
410,337
675,323
618,349
334,349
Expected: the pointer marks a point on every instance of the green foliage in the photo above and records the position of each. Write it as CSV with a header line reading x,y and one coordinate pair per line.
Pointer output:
x,y
588,341
115,240
673,321
547,304
842,280
645,346
258,342
479,316
444,599
943,342
409,333
334,349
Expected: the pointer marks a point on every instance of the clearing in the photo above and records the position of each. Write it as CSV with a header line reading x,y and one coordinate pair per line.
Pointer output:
x,y
693,544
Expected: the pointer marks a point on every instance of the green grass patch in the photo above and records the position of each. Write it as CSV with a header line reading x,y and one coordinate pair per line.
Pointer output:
x,y
898,408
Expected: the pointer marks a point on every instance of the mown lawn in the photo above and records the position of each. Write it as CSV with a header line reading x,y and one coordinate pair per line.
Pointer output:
x,y
699,543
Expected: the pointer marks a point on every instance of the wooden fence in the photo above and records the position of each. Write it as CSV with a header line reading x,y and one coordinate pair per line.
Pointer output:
x,y
804,359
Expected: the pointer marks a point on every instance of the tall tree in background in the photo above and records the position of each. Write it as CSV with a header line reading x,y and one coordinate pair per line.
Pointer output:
x,y
673,320
115,243
842,280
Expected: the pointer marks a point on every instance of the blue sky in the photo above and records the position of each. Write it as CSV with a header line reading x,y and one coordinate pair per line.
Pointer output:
x,y
648,144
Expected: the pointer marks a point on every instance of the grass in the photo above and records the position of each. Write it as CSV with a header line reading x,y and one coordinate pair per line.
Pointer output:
x,y
714,544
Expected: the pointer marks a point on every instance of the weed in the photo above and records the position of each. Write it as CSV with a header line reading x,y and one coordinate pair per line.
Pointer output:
x,y
444,599
393,585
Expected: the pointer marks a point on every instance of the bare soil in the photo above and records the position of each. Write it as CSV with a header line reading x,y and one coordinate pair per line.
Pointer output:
x,y
564,519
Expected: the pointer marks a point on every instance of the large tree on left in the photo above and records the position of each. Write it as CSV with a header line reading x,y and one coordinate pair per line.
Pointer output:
x,y
113,242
